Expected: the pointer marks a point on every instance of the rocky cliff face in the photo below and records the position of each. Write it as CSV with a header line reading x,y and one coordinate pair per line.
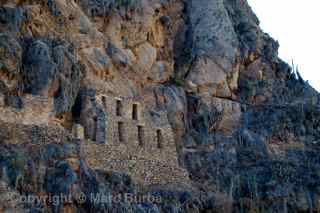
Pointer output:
x,y
245,126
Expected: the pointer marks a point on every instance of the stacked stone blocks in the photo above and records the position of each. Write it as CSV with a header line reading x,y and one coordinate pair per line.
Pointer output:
x,y
136,144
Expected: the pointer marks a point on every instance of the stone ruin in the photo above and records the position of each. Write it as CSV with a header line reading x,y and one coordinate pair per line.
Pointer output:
x,y
34,110
135,140
136,143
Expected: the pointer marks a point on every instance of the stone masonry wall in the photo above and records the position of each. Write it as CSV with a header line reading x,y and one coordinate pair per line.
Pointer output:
x,y
36,110
150,160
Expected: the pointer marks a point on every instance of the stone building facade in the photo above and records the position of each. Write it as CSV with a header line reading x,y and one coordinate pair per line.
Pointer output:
x,y
137,144
138,141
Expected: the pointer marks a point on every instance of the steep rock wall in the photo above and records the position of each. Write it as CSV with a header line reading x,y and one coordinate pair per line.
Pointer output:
x,y
245,127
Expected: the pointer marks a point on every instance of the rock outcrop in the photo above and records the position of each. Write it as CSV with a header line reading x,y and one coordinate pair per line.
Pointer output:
x,y
151,106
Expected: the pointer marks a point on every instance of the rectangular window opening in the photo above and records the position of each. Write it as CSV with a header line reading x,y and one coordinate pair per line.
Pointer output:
x,y
141,135
135,112
95,125
121,131
119,108
159,139
104,101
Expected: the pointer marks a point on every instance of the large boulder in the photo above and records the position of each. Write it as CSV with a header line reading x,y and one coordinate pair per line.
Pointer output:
x,y
39,68
146,57
121,58
207,76
214,47
160,72
98,61
213,34
50,69
70,73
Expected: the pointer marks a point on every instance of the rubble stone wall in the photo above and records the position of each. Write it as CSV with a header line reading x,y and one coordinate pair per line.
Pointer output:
x,y
150,156
36,110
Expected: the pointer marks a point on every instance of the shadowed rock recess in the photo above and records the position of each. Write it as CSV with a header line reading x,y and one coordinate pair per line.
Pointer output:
x,y
151,106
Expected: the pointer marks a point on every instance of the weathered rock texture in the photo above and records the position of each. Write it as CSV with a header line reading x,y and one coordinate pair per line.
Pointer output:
x,y
183,100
